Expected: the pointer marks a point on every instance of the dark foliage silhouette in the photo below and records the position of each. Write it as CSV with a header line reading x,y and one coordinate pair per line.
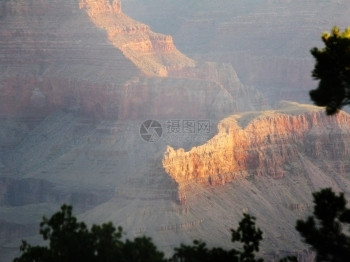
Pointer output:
x,y
70,240
247,234
325,230
332,69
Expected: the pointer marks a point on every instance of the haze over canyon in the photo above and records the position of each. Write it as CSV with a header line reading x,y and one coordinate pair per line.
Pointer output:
x,y
169,118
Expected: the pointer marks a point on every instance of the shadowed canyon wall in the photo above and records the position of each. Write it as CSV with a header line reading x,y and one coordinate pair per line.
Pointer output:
x,y
267,42
90,58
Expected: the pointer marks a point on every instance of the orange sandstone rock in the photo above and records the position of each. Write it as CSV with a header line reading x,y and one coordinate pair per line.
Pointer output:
x,y
271,143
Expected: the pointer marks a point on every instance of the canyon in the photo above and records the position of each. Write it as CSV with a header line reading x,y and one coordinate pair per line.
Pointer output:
x,y
275,144
266,163
64,56
267,42
80,80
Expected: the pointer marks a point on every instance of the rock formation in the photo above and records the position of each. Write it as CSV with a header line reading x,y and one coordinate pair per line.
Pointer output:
x,y
153,53
271,143
52,58
267,42
78,79
90,58
266,163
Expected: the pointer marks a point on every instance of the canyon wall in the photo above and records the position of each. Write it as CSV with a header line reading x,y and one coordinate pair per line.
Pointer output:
x,y
51,56
79,78
271,143
266,163
267,42
155,54
88,57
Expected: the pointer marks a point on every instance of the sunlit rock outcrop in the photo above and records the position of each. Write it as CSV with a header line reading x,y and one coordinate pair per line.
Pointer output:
x,y
155,54
271,143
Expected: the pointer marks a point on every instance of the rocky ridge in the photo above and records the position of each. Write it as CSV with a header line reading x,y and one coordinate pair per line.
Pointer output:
x,y
271,143
88,57
110,173
155,54
267,42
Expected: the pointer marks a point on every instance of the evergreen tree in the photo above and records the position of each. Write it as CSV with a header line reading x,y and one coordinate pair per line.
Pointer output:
x,y
325,230
71,241
332,69
247,234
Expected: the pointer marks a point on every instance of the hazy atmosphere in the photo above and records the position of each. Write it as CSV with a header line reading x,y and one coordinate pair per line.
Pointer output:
x,y
170,118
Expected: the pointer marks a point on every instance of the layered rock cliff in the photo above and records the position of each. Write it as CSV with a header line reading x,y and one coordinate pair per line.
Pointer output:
x,y
267,42
88,57
265,163
155,54
75,62
271,143
52,58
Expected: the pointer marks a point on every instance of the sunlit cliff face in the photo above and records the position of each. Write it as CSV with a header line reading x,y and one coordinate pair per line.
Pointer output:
x,y
272,143
155,54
